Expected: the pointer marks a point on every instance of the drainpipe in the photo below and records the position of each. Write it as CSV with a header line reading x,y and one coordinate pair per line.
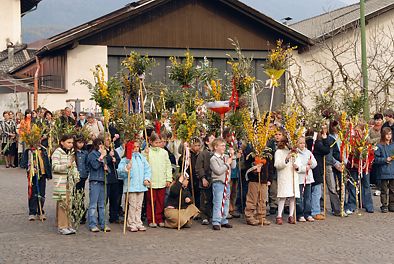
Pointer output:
x,y
35,96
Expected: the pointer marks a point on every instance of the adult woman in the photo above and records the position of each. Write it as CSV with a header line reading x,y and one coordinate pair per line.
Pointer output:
x,y
8,129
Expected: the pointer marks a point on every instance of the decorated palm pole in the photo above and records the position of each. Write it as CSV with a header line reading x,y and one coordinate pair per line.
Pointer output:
x,y
137,66
31,135
275,67
258,133
294,131
345,137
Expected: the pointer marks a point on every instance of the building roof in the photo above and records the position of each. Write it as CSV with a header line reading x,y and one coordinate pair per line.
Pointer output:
x,y
136,8
21,54
333,22
27,5
9,84
72,36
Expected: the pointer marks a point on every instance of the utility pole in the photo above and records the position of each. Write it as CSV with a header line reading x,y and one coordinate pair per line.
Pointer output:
x,y
364,66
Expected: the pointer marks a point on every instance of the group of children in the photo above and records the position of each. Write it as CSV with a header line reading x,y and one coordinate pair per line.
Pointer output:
x,y
222,179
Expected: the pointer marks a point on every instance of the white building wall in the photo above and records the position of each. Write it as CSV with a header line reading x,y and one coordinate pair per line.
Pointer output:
x,y
80,63
10,22
317,79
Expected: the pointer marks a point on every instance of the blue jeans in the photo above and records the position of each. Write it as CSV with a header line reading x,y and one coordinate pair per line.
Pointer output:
x,y
316,195
217,193
304,207
96,201
365,191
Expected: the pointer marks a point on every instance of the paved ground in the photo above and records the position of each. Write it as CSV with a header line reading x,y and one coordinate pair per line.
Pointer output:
x,y
356,239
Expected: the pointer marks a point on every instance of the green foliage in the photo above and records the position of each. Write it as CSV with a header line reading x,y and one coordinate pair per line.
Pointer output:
x,y
235,123
182,72
354,105
138,64
206,72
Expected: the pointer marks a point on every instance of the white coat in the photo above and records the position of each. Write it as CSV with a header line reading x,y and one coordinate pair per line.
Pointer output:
x,y
302,160
287,176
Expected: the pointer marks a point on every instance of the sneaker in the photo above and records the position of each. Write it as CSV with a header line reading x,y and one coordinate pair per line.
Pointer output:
x,y
319,217
205,222
94,229
152,225
216,227
72,230
32,218
65,231
229,216
106,229
161,224
141,228
310,219
301,219
227,225
133,229
384,210
349,212
266,222
279,220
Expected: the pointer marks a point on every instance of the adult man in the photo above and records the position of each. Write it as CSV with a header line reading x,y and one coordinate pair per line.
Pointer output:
x,y
67,118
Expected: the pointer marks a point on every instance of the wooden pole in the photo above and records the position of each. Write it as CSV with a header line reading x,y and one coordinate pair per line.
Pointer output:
x,y
146,140
295,203
143,109
126,206
37,186
272,97
324,186
221,124
180,191
241,188
191,178
343,189
360,175
259,204
179,209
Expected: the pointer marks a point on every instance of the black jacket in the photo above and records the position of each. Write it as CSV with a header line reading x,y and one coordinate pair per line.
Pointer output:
x,y
173,196
322,148
112,175
67,120
203,168
193,159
